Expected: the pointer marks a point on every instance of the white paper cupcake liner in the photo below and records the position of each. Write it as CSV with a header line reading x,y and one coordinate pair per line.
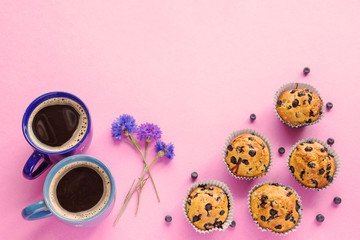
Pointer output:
x,y
268,229
224,187
302,86
330,150
253,132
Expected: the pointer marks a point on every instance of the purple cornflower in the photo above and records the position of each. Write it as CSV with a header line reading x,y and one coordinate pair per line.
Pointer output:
x,y
124,122
148,131
167,149
160,146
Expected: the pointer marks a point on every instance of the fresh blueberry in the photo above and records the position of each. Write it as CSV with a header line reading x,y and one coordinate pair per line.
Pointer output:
x,y
329,105
233,224
281,150
253,116
330,141
320,218
337,200
168,218
194,175
306,71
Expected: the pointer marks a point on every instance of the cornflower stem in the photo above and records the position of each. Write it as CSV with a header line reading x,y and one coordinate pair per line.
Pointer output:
x,y
134,143
132,190
140,191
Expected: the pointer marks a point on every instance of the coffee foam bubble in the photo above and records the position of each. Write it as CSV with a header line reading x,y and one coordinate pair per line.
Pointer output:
x,y
78,134
83,214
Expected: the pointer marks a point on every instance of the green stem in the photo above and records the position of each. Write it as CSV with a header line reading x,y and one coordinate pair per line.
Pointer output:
x,y
127,195
146,148
131,192
126,201
139,193
134,142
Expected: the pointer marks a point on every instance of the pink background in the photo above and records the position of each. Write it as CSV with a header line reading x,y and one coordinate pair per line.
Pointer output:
x,y
198,69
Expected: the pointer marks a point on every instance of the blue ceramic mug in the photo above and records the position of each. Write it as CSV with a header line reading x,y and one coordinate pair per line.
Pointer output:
x,y
79,190
56,125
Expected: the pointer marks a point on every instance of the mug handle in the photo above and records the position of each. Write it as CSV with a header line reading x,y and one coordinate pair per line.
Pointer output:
x,y
35,211
29,171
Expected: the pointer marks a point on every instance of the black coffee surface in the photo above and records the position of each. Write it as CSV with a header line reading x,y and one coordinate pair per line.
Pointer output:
x,y
80,189
55,125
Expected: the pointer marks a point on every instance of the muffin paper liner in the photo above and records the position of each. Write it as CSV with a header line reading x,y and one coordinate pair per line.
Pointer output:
x,y
268,229
250,131
302,86
224,187
330,150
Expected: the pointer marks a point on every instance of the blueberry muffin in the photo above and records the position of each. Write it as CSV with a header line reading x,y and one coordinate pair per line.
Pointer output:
x,y
247,156
207,207
275,207
299,106
312,165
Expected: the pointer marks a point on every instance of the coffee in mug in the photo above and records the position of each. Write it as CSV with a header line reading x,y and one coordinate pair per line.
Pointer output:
x,y
56,125
79,190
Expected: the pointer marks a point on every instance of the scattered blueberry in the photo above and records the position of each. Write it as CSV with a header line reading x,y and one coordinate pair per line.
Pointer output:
x,y
253,116
281,150
306,71
337,200
320,218
329,105
168,218
194,175
330,141
233,224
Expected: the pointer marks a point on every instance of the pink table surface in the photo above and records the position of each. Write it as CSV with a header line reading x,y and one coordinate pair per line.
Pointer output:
x,y
198,69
